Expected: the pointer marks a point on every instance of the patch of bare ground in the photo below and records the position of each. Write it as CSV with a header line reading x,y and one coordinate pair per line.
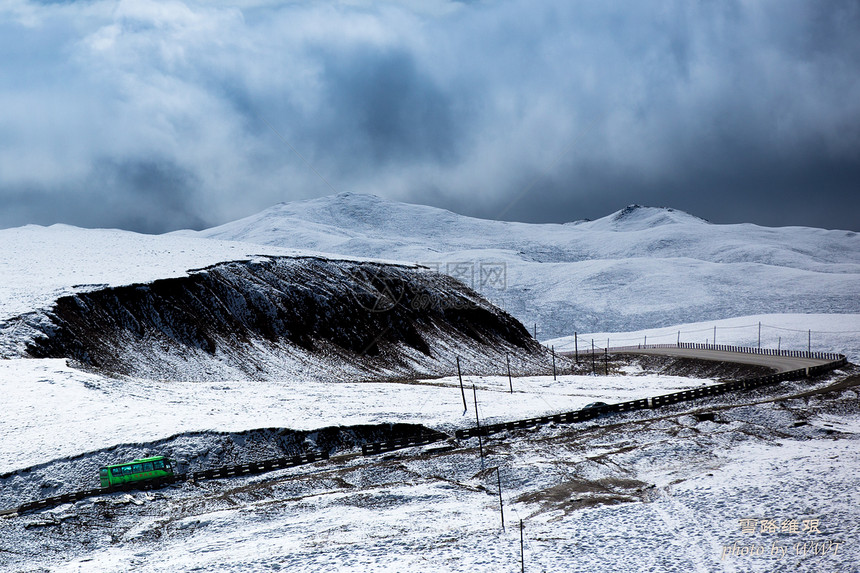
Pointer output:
x,y
576,494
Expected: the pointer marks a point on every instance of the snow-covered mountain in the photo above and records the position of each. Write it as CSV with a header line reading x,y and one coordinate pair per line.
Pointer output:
x,y
640,267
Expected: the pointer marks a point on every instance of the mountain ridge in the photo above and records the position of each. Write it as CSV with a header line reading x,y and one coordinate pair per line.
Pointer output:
x,y
638,267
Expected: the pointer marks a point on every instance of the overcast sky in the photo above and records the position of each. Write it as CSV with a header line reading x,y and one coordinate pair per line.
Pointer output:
x,y
158,115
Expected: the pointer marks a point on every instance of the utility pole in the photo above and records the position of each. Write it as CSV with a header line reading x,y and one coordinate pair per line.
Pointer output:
x,y
715,335
478,426
759,334
462,390
552,348
606,362
592,356
522,554
575,347
510,382
501,507
809,342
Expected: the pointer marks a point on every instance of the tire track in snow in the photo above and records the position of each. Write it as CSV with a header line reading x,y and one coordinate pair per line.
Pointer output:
x,y
681,520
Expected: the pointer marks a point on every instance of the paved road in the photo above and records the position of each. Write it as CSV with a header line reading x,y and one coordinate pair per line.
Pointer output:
x,y
778,363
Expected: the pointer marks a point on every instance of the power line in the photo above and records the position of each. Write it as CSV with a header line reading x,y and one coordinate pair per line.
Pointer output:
x,y
710,329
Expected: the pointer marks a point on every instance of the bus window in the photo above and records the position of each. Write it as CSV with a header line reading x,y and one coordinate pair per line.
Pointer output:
x,y
137,468
126,470
159,464
116,471
147,466
103,472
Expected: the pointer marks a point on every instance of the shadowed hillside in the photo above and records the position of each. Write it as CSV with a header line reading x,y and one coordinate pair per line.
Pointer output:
x,y
285,316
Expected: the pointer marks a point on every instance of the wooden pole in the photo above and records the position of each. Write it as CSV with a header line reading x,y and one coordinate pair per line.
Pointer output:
x,y
522,553
462,390
478,426
809,342
606,362
759,334
576,347
715,335
501,507
592,356
510,382
552,348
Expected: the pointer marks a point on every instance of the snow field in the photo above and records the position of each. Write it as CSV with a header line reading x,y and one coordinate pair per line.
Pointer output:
x,y
418,514
60,411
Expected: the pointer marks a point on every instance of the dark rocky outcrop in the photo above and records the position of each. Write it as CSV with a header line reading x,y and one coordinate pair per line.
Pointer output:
x,y
286,316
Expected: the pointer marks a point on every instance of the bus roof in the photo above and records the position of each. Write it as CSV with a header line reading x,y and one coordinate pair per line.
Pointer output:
x,y
141,460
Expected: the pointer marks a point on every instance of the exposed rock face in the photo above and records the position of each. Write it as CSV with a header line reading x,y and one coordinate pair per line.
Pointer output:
x,y
278,317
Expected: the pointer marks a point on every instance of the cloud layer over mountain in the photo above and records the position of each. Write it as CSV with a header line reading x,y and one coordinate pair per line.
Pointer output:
x,y
154,115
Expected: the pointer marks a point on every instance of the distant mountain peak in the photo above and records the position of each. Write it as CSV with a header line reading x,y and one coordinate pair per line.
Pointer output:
x,y
639,217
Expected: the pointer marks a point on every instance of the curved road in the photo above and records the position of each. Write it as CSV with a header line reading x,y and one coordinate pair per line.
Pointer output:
x,y
778,363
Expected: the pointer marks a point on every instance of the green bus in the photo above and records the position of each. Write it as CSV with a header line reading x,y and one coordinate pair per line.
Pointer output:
x,y
146,469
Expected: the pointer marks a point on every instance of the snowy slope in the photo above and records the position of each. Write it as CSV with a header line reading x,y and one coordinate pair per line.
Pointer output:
x,y
350,222
639,267
40,264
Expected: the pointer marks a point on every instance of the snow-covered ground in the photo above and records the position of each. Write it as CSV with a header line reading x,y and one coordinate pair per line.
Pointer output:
x,y
428,525
49,396
839,333
663,492
638,268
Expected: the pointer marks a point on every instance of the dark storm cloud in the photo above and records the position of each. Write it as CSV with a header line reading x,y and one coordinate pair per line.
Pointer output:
x,y
387,110
151,197
154,115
